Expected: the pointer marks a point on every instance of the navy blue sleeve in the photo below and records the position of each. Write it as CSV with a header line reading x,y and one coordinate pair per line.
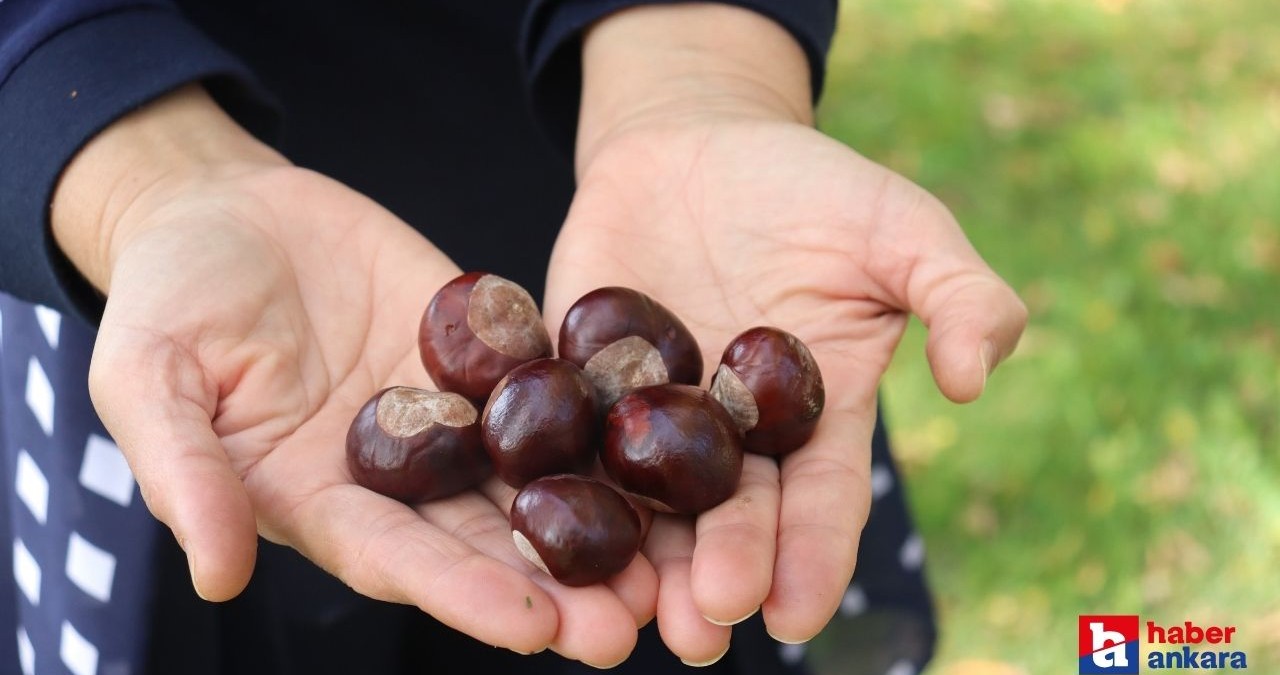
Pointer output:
x,y
551,45
68,68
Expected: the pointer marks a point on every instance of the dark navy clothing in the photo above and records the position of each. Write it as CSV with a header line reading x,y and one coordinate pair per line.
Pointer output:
x,y
378,94
457,115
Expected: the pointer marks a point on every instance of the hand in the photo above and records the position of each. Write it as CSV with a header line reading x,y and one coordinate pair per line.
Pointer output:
x,y
736,223
733,213
252,308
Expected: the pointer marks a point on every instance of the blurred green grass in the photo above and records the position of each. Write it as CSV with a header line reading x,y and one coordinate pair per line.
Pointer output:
x,y
1119,163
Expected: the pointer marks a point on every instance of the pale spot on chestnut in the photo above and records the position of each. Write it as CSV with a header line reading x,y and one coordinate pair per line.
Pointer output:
x,y
601,319
624,365
415,445
505,317
405,411
528,551
728,389
476,328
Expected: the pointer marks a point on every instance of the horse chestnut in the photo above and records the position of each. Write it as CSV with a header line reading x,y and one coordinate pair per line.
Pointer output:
x,y
415,445
770,384
540,420
477,328
575,528
673,447
623,339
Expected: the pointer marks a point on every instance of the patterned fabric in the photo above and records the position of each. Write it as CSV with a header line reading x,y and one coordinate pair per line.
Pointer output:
x,y
77,533
80,544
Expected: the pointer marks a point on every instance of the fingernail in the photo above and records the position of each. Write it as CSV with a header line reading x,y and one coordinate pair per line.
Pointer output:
x,y
611,665
987,356
539,651
735,622
704,664
195,578
786,642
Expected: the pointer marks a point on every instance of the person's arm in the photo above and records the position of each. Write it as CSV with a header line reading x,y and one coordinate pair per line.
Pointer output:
x,y
68,69
553,30
691,61
702,182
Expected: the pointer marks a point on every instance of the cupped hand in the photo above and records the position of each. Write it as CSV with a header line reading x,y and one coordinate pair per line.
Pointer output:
x,y
249,315
733,222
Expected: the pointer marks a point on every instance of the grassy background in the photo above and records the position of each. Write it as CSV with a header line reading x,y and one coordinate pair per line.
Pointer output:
x,y
1119,163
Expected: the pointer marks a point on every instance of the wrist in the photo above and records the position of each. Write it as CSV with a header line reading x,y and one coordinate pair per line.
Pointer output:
x,y
182,138
676,64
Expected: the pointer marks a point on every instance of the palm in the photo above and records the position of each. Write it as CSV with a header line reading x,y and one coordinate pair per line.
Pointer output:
x,y
739,224
269,337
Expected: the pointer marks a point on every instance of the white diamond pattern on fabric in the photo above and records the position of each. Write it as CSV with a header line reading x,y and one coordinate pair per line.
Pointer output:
x,y
50,322
881,481
854,601
77,653
26,572
40,396
901,667
90,568
791,654
105,471
911,555
32,487
26,652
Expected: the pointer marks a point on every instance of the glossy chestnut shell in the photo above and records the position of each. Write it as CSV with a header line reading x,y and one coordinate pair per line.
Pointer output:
x,y
416,445
540,420
624,339
674,447
475,330
771,385
575,528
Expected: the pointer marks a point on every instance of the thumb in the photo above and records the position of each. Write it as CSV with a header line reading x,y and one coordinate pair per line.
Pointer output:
x,y
154,400
974,320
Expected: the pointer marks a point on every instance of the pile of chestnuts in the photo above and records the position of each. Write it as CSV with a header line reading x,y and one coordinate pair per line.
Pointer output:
x,y
624,390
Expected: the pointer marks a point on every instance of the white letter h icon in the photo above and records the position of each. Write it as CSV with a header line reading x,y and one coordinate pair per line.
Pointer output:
x,y
1111,657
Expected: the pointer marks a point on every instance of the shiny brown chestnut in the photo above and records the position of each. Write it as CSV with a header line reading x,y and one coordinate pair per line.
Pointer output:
x,y
623,339
540,420
476,329
575,528
770,384
673,447
415,445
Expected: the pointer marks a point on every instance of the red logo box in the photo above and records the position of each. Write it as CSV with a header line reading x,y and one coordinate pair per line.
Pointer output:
x,y
1108,643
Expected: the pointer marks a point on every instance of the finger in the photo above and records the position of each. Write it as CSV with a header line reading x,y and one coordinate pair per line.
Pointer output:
x,y
825,501
693,639
974,323
736,542
594,626
974,319
154,401
385,550
637,588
